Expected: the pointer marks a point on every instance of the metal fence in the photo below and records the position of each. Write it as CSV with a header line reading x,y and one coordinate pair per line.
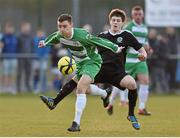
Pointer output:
x,y
43,77
28,73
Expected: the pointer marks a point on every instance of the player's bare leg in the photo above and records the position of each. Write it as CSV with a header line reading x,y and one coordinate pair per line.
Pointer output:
x,y
129,83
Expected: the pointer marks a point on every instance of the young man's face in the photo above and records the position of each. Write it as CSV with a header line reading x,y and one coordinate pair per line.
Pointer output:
x,y
116,23
138,16
65,28
9,29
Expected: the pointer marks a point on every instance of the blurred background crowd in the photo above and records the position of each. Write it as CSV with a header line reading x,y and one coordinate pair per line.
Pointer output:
x,y
26,68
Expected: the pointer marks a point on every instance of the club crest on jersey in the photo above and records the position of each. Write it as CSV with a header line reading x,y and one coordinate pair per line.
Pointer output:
x,y
119,39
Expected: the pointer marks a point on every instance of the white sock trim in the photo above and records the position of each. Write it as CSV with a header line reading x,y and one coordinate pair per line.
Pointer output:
x,y
79,107
95,90
143,95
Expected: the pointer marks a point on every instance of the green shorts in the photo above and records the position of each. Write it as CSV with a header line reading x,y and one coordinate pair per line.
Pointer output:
x,y
134,69
88,67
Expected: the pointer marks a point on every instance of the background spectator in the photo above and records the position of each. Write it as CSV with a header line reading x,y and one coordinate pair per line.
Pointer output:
x,y
172,42
25,48
152,37
10,45
159,72
40,64
1,70
88,27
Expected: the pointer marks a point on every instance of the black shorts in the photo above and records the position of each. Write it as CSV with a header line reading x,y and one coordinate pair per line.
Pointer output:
x,y
112,74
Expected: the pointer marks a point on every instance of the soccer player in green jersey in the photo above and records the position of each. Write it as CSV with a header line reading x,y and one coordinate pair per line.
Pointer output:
x,y
83,48
134,66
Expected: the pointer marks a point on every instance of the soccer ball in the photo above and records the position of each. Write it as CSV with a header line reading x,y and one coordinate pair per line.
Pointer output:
x,y
66,65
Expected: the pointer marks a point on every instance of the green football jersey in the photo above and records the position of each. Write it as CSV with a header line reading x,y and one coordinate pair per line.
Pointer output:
x,y
82,45
141,34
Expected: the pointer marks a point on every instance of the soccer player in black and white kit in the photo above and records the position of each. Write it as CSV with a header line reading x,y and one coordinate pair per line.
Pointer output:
x,y
113,68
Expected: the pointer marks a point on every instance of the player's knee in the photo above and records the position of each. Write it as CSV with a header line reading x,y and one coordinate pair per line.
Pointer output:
x,y
79,89
144,82
88,91
82,87
132,85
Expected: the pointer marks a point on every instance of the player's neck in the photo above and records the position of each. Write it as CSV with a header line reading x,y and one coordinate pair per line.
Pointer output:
x,y
115,31
137,22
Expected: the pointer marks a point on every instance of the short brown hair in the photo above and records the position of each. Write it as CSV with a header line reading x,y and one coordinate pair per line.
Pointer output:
x,y
137,8
118,13
65,17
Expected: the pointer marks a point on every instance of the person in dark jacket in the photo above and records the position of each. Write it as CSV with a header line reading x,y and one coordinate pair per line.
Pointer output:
x,y
25,49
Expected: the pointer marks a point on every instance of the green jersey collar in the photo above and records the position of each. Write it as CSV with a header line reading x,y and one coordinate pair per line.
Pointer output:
x,y
72,33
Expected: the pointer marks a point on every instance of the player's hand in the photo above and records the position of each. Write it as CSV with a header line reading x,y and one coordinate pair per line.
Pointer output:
x,y
141,57
41,44
120,49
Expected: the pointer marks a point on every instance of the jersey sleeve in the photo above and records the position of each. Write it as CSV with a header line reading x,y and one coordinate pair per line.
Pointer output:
x,y
133,42
52,39
102,42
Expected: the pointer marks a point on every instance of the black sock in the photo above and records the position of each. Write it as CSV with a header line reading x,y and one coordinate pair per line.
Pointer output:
x,y
132,96
66,90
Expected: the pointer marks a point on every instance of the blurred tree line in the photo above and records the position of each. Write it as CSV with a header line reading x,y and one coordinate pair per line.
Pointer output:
x,y
43,13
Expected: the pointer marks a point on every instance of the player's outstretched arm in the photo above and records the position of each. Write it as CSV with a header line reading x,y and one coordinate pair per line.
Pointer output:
x,y
53,38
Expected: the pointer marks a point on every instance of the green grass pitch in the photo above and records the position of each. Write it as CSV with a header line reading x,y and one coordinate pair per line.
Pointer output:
x,y
25,115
